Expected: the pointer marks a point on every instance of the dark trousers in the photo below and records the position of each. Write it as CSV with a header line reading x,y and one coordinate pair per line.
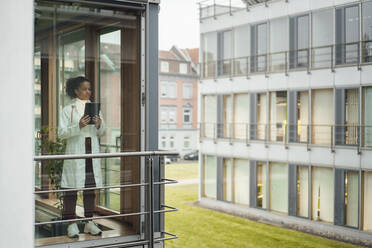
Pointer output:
x,y
70,197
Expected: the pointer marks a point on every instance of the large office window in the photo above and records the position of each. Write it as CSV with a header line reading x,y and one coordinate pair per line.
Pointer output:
x,y
262,184
322,194
278,115
242,39
278,191
259,47
241,181
209,54
241,116
209,116
299,41
322,116
228,173
367,116
322,38
352,198
279,43
210,177
261,116
303,191
225,53
347,34
227,116
367,201
367,31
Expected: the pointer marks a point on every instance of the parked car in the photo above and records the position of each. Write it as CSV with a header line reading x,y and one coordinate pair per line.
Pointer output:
x,y
191,156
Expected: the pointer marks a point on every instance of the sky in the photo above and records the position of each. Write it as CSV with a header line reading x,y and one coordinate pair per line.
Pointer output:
x,y
178,24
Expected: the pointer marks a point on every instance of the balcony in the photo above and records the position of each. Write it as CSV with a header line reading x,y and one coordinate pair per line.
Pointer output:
x,y
326,57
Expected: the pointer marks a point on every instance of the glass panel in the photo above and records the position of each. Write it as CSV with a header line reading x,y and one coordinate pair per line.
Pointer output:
x,y
303,191
261,116
228,172
302,40
227,116
37,114
262,41
352,198
322,116
352,34
242,42
302,115
322,194
278,115
367,202
241,116
109,83
261,184
322,40
241,181
209,116
279,40
278,187
210,177
367,31
367,115
351,116
209,54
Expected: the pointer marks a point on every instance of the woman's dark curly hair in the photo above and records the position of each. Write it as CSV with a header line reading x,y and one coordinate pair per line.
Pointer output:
x,y
74,83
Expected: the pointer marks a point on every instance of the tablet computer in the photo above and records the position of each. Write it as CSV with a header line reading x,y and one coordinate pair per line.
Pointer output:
x,y
92,109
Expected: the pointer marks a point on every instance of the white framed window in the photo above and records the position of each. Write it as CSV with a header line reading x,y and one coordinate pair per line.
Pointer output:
x,y
186,142
164,66
183,68
187,115
163,142
168,114
187,90
171,141
168,89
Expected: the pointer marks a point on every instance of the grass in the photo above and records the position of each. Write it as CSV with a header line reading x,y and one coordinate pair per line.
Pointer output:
x,y
182,171
198,227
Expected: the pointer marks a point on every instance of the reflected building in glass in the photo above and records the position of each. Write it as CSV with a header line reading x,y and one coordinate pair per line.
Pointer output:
x,y
285,112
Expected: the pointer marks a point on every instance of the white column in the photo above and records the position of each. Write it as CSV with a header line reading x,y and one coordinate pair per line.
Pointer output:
x,y
16,124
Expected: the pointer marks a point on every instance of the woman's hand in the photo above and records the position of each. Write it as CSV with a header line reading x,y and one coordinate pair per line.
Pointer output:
x,y
84,121
97,121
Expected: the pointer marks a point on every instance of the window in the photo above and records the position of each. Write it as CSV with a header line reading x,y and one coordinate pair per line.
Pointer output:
x,y
259,47
183,68
367,31
261,116
168,115
171,141
209,54
210,177
299,41
261,185
163,142
347,35
242,41
279,33
164,66
209,115
352,198
186,142
298,116
322,194
241,116
228,180
303,191
187,115
187,90
168,89
278,190
224,52
322,116
367,203
322,38
227,116
241,181
278,115
367,116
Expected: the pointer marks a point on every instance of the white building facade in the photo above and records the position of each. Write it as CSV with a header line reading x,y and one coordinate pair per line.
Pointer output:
x,y
286,109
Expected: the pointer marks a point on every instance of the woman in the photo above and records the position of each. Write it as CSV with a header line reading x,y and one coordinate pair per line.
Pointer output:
x,y
75,128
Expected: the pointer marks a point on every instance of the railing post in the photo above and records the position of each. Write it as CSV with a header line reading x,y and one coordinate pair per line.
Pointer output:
x,y
247,65
247,134
151,202
332,58
308,140
286,63
332,138
359,57
230,7
308,60
214,9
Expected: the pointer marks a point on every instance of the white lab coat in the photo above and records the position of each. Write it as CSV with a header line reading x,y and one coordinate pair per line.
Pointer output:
x,y
73,174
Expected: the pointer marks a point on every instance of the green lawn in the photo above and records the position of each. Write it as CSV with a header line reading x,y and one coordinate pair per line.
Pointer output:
x,y
198,227
182,171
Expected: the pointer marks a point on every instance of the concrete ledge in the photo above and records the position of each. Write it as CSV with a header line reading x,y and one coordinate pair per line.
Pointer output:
x,y
339,233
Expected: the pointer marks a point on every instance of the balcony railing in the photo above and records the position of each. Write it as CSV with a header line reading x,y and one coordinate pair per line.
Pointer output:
x,y
150,211
214,8
311,135
331,57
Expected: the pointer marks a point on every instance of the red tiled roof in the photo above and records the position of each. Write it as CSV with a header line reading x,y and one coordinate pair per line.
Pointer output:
x,y
166,55
193,53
